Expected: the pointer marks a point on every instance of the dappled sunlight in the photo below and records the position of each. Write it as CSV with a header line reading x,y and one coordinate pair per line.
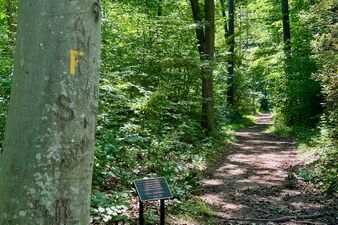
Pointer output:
x,y
251,180
212,198
303,205
247,147
220,202
212,182
273,143
231,170
268,180
232,206
265,119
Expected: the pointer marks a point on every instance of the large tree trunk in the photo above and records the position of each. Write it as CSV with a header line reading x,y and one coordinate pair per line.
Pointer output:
x,y
206,46
231,42
199,27
207,70
286,28
47,159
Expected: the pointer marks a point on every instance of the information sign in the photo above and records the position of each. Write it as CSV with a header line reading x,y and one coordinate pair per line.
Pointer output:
x,y
153,189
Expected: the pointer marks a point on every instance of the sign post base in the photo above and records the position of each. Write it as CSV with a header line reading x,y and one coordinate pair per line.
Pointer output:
x,y
162,212
150,190
141,217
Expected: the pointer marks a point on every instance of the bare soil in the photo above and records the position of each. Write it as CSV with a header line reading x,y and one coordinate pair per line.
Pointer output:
x,y
254,183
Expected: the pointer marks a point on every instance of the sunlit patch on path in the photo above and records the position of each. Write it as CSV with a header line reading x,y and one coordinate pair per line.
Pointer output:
x,y
250,180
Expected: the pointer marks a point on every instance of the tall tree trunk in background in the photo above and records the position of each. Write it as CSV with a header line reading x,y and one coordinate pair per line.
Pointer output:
x,y
225,27
47,158
205,34
207,70
10,20
286,28
159,9
231,42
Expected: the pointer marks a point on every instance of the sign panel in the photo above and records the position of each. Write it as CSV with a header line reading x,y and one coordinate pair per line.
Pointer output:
x,y
153,189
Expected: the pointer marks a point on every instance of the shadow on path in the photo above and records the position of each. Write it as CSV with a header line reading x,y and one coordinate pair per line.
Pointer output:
x,y
250,181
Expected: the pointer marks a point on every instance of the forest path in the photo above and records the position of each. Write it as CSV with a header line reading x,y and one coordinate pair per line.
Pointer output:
x,y
250,181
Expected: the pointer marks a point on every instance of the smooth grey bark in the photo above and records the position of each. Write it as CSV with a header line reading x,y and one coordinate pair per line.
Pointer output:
x,y
47,158
205,34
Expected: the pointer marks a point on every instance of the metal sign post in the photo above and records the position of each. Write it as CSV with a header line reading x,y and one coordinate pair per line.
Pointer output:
x,y
141,217
151,190
162,212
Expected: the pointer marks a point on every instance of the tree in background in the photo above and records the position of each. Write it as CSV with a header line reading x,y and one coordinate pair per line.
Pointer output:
x,y
159,9
205,34
286,28
224,15
300,95
229,35
47,159
231,42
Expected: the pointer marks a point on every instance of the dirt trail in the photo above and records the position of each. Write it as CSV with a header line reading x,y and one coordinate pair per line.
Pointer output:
x,y
251,181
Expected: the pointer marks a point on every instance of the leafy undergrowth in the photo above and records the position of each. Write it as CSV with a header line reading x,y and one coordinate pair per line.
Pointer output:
x,y
6,60
322,173
177,150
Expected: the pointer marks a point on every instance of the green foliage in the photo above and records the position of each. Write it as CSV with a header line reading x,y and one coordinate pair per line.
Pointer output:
x,y
106,206
325,172
260,61
324,44
193,211
6,62
149,122
298,89
150,88
298,93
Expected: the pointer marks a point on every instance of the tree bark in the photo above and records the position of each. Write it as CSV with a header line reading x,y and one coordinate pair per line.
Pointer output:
x,y
231,42
47,158
199,26
286,28
207,70
205,34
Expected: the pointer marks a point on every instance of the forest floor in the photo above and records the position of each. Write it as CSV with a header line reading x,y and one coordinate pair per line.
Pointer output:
x,y
255,182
